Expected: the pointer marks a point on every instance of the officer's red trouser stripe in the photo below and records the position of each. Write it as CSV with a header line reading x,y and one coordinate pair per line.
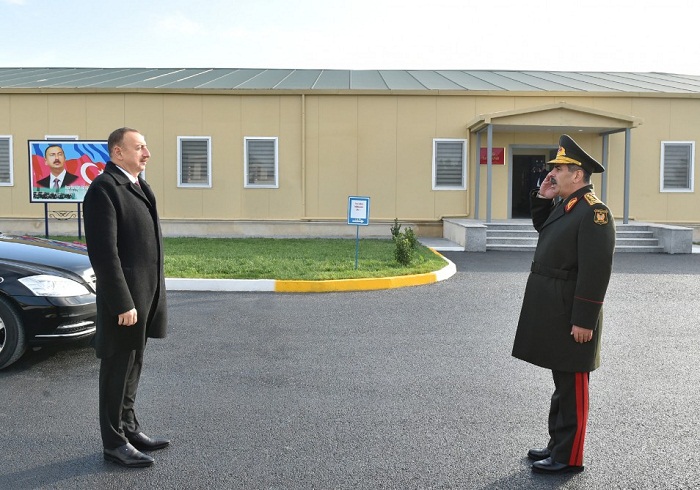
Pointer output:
x,y
576,458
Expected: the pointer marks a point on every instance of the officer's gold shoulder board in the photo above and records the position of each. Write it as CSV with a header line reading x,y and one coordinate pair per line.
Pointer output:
x,y
592,199
600,216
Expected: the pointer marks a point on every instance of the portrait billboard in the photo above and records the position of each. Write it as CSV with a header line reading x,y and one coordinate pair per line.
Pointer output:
x,y
61,171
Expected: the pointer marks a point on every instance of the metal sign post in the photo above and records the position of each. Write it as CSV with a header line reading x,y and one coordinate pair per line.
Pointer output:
x,y
358,215
62,215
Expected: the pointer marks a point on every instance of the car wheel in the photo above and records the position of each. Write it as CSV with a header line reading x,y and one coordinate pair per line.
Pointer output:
x,y
11,334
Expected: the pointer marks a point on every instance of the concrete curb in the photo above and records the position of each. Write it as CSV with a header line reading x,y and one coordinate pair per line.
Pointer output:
x,y
286,286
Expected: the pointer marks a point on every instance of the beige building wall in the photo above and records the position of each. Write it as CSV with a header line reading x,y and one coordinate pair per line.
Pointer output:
x,y
333,145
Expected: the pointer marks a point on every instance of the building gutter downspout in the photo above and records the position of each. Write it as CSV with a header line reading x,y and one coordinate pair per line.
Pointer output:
x,y
303,154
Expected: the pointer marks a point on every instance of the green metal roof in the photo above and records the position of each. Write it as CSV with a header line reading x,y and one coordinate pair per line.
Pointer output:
x,y
371,80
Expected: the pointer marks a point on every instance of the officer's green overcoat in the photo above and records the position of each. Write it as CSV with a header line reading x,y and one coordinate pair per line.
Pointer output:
x,y
567,282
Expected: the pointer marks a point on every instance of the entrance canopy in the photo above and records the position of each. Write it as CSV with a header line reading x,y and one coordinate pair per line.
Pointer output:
x,y
556,119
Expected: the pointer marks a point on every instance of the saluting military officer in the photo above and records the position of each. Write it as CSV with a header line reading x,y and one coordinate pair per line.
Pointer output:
x,y
560,323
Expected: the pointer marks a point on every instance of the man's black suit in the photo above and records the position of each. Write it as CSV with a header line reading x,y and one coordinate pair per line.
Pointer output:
x,y
125,246
47,182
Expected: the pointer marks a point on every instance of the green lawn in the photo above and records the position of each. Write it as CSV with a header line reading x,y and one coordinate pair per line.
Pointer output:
x,y
305,259
301,259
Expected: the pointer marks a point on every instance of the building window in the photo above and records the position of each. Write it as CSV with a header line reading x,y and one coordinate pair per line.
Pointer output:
x,y
261,162
677,166
194,161
449,164
60,137
6,160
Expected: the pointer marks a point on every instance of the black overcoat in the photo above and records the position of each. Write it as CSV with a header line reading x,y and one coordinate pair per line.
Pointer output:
x,y
125,246
567,283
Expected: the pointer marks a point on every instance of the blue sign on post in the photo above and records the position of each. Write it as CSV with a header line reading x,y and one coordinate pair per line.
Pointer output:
x,y
358,210
358,214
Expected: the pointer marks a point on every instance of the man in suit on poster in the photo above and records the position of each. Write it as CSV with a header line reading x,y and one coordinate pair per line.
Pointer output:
x,y
560,323
123,235
59,177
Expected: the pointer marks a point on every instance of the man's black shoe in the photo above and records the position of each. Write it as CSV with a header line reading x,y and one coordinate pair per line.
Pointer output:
x,y
144,443
539,454
550,466
127,455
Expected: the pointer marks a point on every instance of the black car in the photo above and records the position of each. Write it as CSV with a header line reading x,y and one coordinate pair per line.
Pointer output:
x,y
47,294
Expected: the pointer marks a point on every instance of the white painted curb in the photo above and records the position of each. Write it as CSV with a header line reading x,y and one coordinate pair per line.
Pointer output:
x,y
271,285
257,285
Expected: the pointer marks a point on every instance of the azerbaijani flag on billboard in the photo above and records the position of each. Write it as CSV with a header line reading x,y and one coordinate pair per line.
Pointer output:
x,y
61,171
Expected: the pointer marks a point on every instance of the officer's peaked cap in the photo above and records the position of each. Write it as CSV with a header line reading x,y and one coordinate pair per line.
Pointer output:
x,y
570,153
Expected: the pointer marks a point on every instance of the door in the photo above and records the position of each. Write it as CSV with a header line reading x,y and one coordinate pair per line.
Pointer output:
x,y
528,173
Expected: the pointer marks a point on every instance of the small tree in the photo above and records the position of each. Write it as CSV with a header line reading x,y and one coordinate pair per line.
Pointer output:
x,y
411,237
396,229
406,243
403,252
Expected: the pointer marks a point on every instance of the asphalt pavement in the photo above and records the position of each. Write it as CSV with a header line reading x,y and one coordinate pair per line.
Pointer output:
x,y
407,388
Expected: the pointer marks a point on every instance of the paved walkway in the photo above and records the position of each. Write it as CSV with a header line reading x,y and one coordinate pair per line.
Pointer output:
x,y
408,389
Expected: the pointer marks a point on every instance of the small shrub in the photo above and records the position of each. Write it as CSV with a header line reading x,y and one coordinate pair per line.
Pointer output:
x,y
396,229
403,252
406,243
411,237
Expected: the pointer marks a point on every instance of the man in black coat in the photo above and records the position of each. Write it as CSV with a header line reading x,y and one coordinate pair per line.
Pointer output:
x,y
560,323
125,246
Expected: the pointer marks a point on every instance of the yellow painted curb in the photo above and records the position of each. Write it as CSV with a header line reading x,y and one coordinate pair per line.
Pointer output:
x,y
282,286
366,284
353,284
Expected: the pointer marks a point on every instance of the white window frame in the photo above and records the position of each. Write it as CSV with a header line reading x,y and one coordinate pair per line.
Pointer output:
x,y
180,183
61,137
10,161
465,177
691,170
248,185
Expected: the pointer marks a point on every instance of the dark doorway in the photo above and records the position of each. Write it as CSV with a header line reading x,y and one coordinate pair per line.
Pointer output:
x,y
528,172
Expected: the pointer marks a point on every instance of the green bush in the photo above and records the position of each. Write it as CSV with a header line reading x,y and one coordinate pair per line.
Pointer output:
x,y
403,252
411,237
396,229
406,243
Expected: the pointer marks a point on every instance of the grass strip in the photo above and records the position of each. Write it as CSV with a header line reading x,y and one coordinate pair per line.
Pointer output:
x,y
288,258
